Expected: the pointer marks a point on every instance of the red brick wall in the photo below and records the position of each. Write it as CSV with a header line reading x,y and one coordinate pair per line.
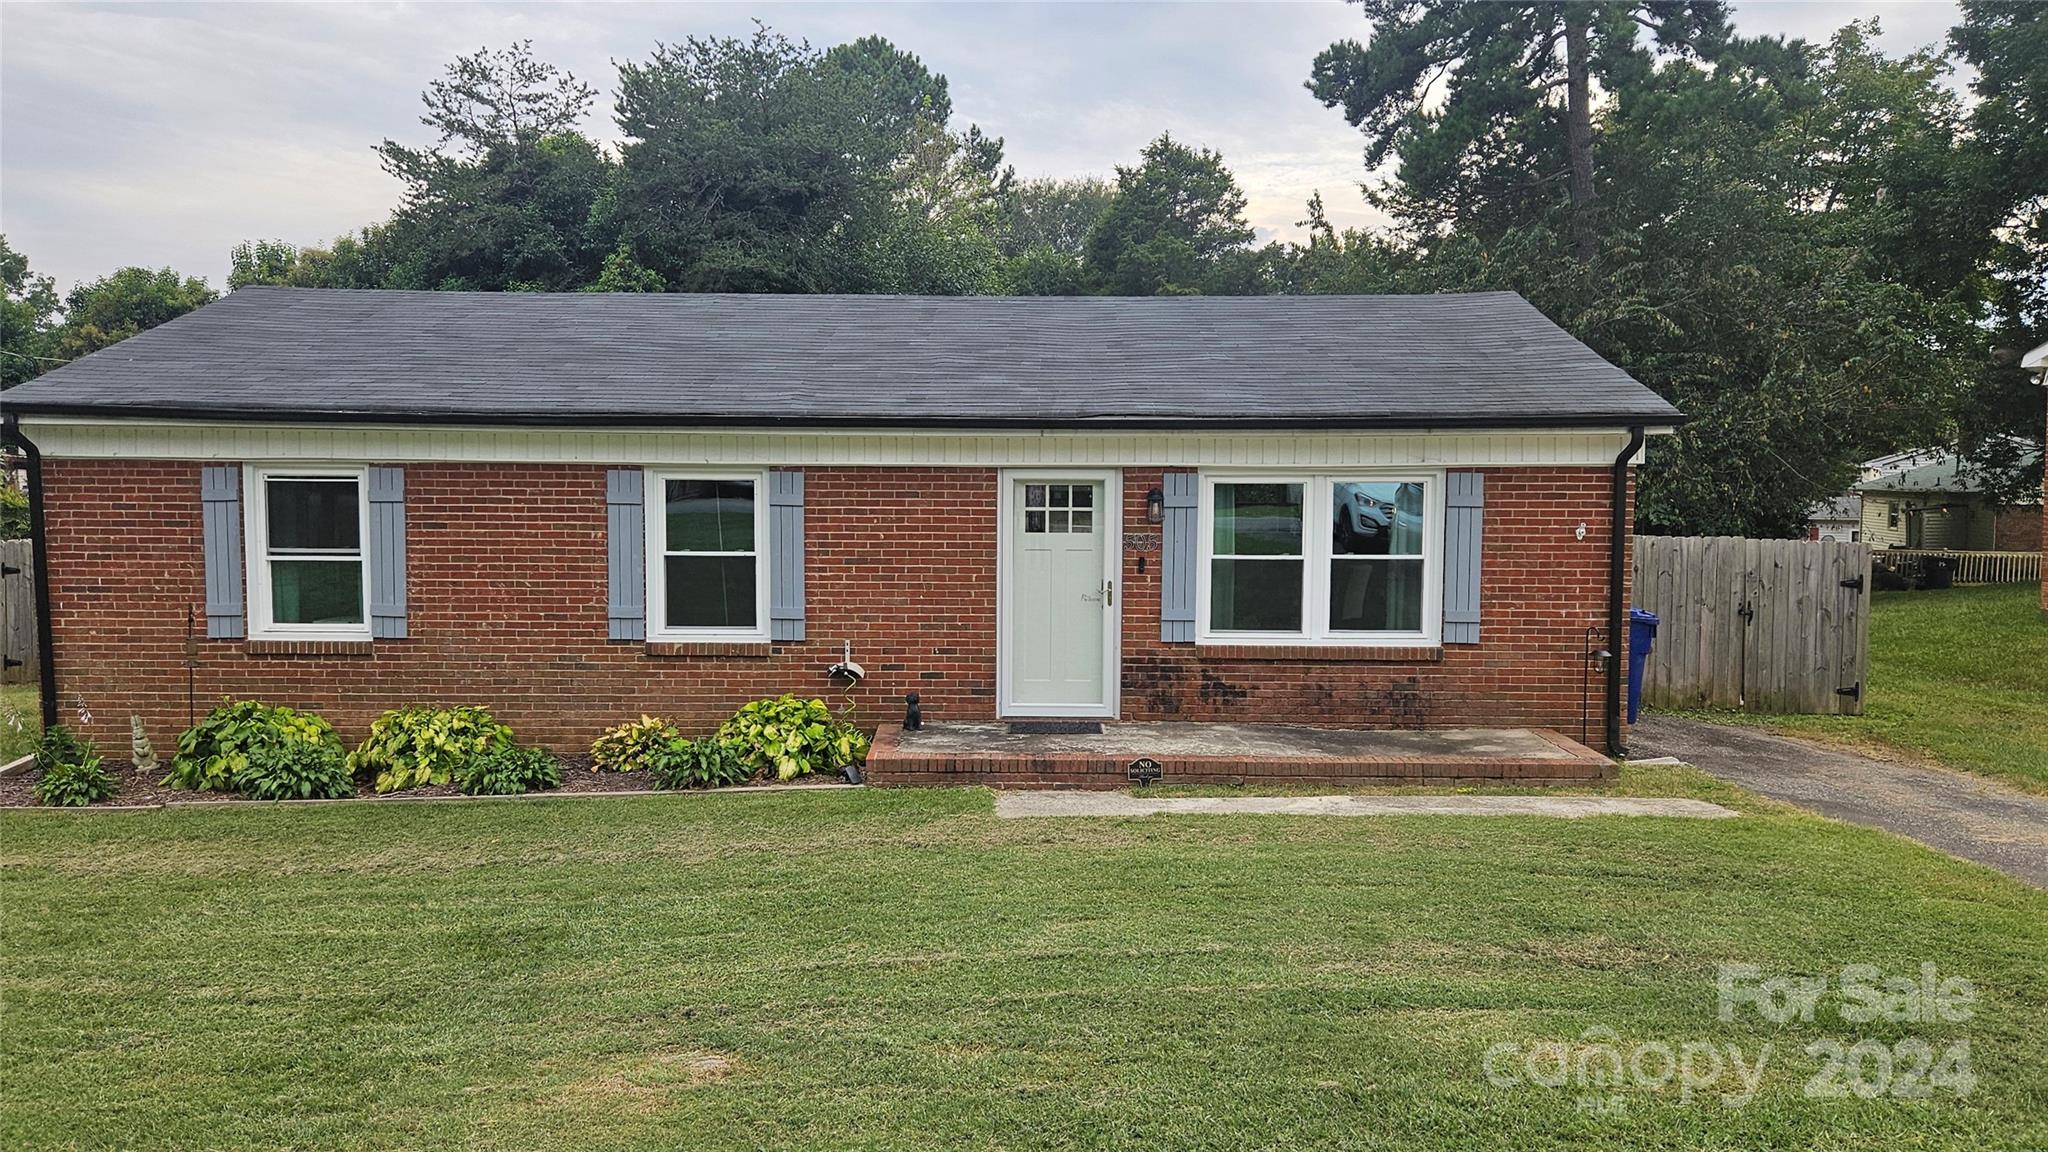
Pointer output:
x,y
506,586
1540,588
2016,528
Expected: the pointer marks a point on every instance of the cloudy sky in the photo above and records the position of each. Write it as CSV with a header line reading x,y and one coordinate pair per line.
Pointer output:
x,y
154,135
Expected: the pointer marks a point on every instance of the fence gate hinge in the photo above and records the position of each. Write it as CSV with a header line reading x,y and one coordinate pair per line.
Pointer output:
x,y
11,662
1855,582
1855,690
9,570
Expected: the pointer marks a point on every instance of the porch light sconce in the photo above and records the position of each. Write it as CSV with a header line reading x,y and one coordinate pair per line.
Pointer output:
x,y
1155,507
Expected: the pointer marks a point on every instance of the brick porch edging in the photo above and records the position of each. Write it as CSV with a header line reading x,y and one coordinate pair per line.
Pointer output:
x,y
892,765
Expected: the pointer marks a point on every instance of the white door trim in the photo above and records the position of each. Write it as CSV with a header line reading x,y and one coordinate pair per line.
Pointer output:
x,y
1112,570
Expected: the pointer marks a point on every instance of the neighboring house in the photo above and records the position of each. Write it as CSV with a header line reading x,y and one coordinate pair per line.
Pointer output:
x,y
1838,519
1930,499
1352,511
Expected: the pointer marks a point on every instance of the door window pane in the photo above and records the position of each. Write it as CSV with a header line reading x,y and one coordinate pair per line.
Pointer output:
x,y
313,515
1375,595
1376,519
316,591
1257,520
1255,595
710,515
710,591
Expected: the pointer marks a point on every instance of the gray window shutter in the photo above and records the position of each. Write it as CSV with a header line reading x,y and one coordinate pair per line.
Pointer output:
x,y
220,506
786,555
626,550
1177,560
387,553
1464,511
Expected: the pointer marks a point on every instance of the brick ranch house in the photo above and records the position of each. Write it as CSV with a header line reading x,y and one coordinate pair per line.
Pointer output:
x,y
1344,511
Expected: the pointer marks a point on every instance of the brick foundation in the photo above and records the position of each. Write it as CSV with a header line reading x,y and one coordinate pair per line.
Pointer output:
x,y
506,586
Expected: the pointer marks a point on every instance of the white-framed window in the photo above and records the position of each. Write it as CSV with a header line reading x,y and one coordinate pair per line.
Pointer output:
x,y
308,567
707,555
1349,557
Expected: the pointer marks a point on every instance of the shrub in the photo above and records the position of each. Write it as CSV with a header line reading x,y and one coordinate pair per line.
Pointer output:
x,y
214,754
793,737
508,770
296,770
60,745
706,763
631,746
412,747
74,783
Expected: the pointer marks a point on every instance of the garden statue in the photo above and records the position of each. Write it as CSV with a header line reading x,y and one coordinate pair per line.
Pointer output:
x,y
138,746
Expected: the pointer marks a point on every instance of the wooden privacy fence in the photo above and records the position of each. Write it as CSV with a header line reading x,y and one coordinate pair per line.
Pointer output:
x,y
17,612
1765,625
1970,567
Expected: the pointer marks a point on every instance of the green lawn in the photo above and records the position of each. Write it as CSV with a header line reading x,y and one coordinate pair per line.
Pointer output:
x,y
1959,677
902,970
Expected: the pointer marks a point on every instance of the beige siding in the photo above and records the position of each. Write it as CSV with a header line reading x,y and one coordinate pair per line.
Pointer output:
x,y
1950,522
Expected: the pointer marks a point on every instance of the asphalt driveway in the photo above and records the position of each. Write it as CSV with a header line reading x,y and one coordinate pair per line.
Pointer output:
x,y
1954,813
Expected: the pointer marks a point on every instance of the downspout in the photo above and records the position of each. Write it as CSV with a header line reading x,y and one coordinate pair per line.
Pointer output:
x,y
40,563
1617,572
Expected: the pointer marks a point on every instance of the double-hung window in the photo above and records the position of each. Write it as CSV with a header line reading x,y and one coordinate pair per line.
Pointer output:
x,y
1326,558
707,575
308,573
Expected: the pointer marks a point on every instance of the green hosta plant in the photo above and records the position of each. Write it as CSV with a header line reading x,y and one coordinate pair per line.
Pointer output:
x,y
60,745
414,747
214,754
632,746
509,770
296,770
74,784
706,763
793,737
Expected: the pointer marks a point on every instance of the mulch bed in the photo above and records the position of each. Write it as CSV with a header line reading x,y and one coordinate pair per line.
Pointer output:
x,y
135,789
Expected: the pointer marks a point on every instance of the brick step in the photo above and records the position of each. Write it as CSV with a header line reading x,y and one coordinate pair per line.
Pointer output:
x,y
892,764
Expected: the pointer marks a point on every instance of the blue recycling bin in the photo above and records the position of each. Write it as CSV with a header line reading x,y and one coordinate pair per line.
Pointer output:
x,y
1642,636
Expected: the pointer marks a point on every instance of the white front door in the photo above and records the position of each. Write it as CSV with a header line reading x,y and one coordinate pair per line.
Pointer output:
x,y
1059,604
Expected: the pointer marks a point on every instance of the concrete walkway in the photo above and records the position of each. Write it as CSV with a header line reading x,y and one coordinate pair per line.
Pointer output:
x,y
1949,811
1026,805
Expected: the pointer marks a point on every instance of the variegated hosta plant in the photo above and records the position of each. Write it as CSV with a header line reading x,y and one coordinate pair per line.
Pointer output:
x,y
632,746
413,747
214,754
790,737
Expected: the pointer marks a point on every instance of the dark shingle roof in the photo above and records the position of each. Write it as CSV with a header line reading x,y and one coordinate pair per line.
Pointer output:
x,y
493,358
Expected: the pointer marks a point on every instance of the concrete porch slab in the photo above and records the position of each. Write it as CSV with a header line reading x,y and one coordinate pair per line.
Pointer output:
x,y
1199,753
1033,805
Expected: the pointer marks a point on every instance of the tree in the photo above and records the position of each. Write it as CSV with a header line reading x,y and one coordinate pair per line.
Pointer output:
x,y
888,90
1757,264
1175,227
762,165
1498,140
511,206
123,303
2006,173
1055,215
358,261
28,310
747,166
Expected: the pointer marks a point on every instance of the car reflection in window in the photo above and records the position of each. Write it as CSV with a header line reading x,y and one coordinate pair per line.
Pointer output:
x,y
1377,519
